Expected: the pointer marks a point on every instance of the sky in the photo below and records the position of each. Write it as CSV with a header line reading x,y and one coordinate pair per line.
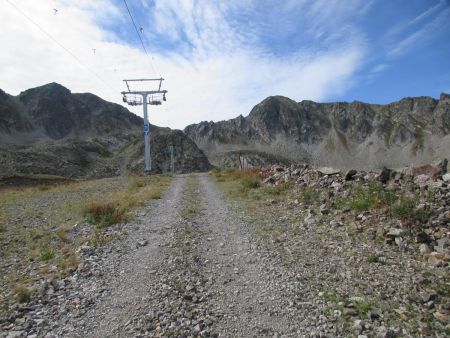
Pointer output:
x,y
221,58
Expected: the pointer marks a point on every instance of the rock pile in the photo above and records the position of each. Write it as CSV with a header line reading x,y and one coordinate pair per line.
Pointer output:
x,y
417,214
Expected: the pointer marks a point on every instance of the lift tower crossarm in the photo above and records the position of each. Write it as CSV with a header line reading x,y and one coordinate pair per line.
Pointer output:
x,y
136,80
150,92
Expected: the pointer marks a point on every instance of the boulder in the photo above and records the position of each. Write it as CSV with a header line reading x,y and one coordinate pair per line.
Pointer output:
x,y
424,249
395,232
423,180
350,175
328,171
436,259
385,175
433,170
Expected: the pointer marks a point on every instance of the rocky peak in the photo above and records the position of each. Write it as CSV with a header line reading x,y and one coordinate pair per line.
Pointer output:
x,y
444,98
50,91
49,130
54,113
411,130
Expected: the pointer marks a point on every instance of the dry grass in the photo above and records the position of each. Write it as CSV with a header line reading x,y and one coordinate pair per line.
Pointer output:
x,y
115,209
248,184
104,213
22,293
38,222
238,182
63,232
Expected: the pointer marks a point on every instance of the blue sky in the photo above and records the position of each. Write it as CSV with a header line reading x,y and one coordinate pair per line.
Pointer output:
x,y
406,42
220,58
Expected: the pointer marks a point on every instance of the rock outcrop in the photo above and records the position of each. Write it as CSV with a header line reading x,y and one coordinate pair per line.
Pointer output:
x,y
345,135
49,130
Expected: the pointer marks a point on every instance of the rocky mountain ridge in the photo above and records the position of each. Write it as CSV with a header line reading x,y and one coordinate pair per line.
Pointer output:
x,y
49,130
342,134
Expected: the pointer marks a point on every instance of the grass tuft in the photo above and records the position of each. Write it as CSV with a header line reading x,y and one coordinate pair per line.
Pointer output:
x,y
103,213
309,195
404,208
373,259
47,254
250,182
63,233
22,293
363,307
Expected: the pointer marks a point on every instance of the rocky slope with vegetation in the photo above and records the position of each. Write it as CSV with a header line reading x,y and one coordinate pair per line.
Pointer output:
x,y
287,251
342,134
49,130
366,253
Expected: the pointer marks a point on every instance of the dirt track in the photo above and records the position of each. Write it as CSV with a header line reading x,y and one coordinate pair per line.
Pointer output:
x,y
183,273
193,264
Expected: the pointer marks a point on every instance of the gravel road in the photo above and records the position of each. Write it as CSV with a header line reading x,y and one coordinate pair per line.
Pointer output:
x,y
194,264
244,293
128,269
188,267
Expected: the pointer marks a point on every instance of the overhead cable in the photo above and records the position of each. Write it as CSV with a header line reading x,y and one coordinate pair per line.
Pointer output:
x,y
140,37
59,44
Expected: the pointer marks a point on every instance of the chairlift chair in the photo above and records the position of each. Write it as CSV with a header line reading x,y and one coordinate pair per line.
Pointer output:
x,y
154,100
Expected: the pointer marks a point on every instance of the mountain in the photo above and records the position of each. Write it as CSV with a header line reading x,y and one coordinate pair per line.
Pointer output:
x,y
413,130
49,130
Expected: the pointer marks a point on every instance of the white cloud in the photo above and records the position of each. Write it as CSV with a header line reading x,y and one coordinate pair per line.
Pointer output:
x,y
421,34
426,13
219,73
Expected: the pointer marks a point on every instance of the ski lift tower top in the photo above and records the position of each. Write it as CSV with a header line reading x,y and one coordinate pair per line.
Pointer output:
x,y
139,96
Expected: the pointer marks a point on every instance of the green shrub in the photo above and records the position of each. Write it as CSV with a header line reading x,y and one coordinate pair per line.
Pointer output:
x,y
422,216
373,259
362,199
374,195
363,307
331,297
309,195
388,197
286,185
404,208
270,190
250,182
430,195
104,213
47,254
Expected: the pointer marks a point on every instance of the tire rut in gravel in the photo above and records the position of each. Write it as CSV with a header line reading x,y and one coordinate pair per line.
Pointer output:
x,y
131,275
243,295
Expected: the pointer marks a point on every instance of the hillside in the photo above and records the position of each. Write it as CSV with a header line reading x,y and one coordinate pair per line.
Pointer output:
x,y
342,134
49,130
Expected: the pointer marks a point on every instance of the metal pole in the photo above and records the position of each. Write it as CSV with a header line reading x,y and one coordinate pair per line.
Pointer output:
x,y
172,160
145,95
148,163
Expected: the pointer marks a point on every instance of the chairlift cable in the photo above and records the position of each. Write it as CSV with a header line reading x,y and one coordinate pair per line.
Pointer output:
x,y
59,44
140,37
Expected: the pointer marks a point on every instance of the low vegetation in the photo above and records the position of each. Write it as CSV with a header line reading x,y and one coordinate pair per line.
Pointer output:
x,y
22,293
103,213
403,205
37,222
326,218
400,205
247,183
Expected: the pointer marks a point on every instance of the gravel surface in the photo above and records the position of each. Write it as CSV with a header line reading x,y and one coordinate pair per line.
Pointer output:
x,y
195,264
129,271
